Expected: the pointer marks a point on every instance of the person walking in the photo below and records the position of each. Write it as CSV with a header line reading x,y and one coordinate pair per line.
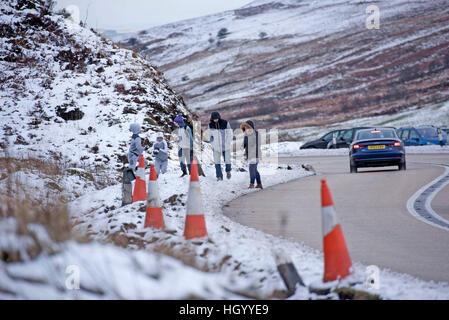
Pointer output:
x,y
219,133
253,152
185,144
160,154
135,146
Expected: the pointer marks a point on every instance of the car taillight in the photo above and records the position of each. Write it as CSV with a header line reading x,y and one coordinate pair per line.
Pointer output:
x,y
356,146
396,144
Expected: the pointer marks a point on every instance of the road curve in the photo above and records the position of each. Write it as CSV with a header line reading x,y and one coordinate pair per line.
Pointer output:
x,y
371,206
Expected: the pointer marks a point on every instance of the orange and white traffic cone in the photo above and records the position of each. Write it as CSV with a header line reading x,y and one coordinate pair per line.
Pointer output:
x,y
337,263
195,226
140,189
154,217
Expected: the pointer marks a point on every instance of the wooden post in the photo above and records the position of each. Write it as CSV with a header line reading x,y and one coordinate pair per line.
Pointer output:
x,y
127,189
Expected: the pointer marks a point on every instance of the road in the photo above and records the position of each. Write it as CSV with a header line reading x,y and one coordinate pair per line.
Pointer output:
x,y
371,207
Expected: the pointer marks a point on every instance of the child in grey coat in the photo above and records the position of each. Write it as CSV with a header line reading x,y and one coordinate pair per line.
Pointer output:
x,y
160,153
135,146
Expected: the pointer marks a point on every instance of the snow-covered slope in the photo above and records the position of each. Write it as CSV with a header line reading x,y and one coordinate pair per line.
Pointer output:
x,y
290,63
70,95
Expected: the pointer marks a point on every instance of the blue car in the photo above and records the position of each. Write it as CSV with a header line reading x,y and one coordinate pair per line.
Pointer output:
x,y
377,147
420,136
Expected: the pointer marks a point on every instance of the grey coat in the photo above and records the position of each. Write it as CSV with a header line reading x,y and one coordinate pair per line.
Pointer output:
x,y
163,150
251,142
135,145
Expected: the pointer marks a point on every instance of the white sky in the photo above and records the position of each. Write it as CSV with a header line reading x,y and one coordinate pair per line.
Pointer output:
x,y
142,14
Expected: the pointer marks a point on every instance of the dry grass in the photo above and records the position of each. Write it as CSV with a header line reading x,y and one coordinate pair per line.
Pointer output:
x,y
48,212
45,167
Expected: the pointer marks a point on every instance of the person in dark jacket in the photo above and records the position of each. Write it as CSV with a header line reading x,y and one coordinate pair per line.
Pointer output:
x,y
219,133
135,146
253,152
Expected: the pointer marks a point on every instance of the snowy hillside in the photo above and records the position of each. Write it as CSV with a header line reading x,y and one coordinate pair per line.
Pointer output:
x,y
291,63
67,94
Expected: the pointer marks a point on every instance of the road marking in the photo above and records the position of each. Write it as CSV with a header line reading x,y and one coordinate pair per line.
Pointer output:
x,y
419,205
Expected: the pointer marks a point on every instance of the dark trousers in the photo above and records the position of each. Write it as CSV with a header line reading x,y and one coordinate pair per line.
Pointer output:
x,y
185,155
217,160
254,174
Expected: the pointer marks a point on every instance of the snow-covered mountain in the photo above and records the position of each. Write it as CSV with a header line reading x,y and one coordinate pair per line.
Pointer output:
x,y
291,63
67,93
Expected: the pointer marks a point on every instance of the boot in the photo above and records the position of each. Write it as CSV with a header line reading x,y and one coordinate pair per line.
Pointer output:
x,y
228,175
184,173
251,186
259,186
219,178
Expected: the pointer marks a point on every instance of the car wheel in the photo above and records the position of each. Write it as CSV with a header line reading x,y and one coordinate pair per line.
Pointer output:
x,y
353,168
403,166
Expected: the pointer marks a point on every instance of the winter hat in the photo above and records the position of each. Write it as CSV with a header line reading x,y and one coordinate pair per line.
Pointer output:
x,y
247,127
179,119
159,135
215,115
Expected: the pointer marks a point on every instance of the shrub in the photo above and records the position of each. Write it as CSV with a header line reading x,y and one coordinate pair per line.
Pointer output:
x,y
222,33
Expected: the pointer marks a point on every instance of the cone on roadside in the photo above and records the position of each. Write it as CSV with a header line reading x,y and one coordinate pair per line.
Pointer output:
x,y
195,226
337,263
154,217
140,189
287,270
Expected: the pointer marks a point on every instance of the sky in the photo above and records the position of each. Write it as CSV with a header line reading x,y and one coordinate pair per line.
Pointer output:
x,y
142,14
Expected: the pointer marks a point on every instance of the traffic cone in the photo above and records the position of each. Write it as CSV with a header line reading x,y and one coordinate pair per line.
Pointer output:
x,y
195,226
140,189
154,217
337,263
287,270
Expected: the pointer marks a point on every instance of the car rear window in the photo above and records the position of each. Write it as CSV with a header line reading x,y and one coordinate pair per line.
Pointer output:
x,y
376,134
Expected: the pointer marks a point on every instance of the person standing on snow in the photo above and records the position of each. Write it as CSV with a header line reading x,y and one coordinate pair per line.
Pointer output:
x,y
219,133
253,152
185,144
135,146
160,154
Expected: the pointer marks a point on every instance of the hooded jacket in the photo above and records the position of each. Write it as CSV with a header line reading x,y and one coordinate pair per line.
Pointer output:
x,y
162,147
251,143
135,145
219,133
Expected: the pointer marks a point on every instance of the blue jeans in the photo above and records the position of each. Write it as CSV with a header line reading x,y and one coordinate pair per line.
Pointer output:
x,y
254,173
185,156
217,160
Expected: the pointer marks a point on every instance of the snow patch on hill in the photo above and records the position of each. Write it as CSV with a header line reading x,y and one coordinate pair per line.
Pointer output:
x,y
66,93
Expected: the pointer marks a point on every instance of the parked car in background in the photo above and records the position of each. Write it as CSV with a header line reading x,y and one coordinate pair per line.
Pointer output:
x,y
445,130
420,136
376,147
345,140
323,142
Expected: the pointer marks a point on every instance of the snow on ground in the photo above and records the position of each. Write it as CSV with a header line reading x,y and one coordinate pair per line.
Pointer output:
x,y
239,253
108,272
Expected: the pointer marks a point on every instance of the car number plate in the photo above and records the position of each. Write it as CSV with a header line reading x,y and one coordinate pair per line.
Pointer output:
x,y
382,146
